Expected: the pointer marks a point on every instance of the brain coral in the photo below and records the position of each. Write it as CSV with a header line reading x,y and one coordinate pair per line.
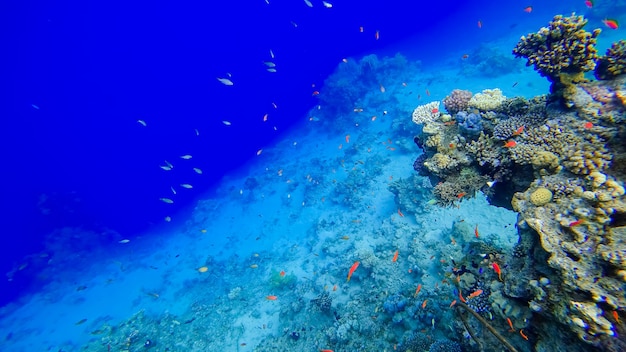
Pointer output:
x,y
541,196
426,113
489,99
613,63
562,47
457,101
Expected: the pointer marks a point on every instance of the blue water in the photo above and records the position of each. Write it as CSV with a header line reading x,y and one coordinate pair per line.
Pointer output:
x,y
98,97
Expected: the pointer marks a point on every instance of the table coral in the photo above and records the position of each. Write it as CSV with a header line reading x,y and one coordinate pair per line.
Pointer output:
x,y
488,99
613,63
562,47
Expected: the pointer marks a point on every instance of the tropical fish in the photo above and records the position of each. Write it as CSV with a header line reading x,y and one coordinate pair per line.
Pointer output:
x,y
480,24
382,88
197,170
186,185
461,297
521,332
400,213
424,304
575,223
282,273
271,54
254,266
453,303
166,200
124,241
496,268
475,294
395,257
587,125
616,317
258,152
308,3
80,321
361,29
465,56
327,4
528,9
508,320
269,64
226,122
142,122
377,35
203,269
461,195
419,288
225,81
352,269
271,298
510,144
610,23
476,231
518,131
589,3
186,156
327,351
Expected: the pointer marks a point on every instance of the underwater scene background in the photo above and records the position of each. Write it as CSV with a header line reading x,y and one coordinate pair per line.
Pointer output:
x,y
307,175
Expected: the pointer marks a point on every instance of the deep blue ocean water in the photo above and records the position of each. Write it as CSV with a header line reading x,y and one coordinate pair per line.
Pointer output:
x,y
80,80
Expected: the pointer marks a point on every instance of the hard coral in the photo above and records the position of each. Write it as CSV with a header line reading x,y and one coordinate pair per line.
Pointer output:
x,y
488,99
426,113
613,63
541,196
562,47
457,101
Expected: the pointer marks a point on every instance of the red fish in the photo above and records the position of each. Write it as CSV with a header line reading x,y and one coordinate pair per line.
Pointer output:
x,y
589,3
271,298
395,257
427,92
316,93
528,9
461,298
496,268
521,332
435,110
480,24
510,144
419,288
510,324
400,213
453,303
461,195
352,269
377,35
575,223
610,23
587,125
347,138
424,304
465,56
616,317
282,273
475,294
476,231
518,131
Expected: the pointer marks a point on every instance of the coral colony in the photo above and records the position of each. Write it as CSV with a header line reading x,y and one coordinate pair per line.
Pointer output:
x,y
558,160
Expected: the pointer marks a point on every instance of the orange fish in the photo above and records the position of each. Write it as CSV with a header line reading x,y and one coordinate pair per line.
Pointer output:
x,y
453,303
424,304
589,3
510,324
400,213
510,144
521,332
361,29
496,268
575,223
435,110
616,317
282,273
476,231
377,35
610,23
461,195
465,56
316,93
419,288
528,9
461,297
475,294
327,351
271,298
347,138
518,131
352,269
335,287
265,118
480,24
588,125
395,257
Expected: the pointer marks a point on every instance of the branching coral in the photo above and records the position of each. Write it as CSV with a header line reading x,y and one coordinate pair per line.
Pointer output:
x,y
426,113
613,63
562,47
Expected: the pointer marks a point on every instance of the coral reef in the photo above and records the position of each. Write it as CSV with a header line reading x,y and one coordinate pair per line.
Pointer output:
x,y
613,63
487,100
457,101
562,47
426,113
470,124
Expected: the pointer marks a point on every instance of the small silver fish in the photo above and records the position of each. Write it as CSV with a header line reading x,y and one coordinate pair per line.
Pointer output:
x,y
271,54
308,3
186,185
225,81
227,123
124,241
197,170
186,156
269,64
166,200
142,122
271,69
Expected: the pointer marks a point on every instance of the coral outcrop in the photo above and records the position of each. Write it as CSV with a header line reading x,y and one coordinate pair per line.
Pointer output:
x,y
562,47
426,113
613,63
457,101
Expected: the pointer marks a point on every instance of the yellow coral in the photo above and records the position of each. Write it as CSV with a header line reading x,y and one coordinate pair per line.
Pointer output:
x,y
545,160
541,196
489,99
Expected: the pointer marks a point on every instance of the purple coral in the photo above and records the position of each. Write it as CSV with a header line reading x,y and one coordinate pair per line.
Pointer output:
x,y
457,101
